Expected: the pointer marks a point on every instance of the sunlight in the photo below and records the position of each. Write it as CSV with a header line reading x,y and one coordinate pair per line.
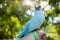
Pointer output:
x,y
1,5
47,8
16,1
44,4
36,0
28,2
5,4
28,12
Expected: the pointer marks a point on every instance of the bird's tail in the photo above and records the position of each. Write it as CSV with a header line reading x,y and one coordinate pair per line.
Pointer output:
x,y
23,32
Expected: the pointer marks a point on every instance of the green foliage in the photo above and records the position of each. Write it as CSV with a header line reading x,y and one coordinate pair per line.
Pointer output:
x,y
54,2
49,38
13,18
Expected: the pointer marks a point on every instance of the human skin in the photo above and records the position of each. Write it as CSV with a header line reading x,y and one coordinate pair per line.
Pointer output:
x,y
31,36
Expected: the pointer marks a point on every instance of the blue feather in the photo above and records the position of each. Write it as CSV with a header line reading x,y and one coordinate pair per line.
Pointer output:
x,y
25,30
35,22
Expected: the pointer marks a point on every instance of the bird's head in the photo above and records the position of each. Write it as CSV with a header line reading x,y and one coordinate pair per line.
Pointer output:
x,y
38,7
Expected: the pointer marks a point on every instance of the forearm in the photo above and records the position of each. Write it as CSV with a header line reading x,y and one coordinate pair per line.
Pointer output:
x,y
28,37
32,37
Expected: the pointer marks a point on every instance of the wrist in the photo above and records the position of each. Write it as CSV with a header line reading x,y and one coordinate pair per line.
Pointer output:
x,y
37,31
41,34
35,35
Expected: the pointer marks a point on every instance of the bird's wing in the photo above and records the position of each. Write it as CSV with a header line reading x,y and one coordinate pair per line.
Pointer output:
x,y
25,30
37,20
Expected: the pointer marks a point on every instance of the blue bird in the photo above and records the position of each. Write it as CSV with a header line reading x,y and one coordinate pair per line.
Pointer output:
x,y
34,23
